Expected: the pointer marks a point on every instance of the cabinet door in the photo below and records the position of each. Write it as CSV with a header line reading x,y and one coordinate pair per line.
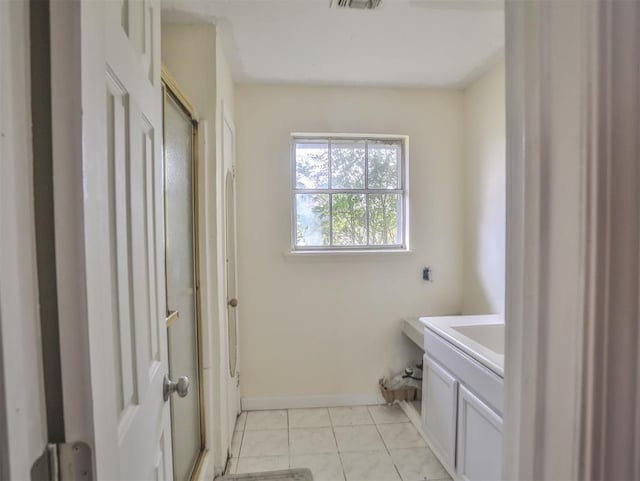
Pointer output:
x,y
479,456
439,403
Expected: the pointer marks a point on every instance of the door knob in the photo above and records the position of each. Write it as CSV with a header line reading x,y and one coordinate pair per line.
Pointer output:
x,y
233,302
181,387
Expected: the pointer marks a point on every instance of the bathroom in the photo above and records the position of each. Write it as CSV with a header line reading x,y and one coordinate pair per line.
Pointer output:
x,y
328,240
319,323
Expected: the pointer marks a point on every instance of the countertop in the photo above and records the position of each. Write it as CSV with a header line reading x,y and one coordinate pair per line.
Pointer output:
x,y
444,326
414,330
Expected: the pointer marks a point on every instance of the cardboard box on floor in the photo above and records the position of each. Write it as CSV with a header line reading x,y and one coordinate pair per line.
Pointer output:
x,y
407,393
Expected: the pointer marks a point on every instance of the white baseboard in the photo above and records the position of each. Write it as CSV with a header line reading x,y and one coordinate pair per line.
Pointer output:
x,y
322,401
414,416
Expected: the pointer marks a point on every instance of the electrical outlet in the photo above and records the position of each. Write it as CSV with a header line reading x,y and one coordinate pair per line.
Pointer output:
x,y
427,274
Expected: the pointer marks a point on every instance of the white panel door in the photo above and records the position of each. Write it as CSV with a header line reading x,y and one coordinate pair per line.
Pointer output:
x,y
110,252
479,456
439,405
231,283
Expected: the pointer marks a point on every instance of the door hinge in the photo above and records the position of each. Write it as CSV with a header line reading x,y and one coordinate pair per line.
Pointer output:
x,y
64,462
238,379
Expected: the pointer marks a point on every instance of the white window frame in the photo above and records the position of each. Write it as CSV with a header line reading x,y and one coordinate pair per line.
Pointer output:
x,y
403,191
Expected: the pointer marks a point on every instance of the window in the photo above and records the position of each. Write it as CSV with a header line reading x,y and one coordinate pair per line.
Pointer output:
x,y
349,193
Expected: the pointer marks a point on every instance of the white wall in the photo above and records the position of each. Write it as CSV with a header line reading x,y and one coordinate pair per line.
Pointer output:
x,y
329,325
485,194
193,54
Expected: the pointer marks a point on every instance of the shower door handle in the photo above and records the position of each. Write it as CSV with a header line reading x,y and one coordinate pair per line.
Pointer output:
x,y
181,387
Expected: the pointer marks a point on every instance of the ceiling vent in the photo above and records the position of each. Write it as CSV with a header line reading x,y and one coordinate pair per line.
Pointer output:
x,y
359,4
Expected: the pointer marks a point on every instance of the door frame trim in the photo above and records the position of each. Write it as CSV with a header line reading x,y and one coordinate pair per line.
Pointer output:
x,y
573,232
23,429
67,133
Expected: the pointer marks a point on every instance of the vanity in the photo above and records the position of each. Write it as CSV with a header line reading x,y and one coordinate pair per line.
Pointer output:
x,y
463,393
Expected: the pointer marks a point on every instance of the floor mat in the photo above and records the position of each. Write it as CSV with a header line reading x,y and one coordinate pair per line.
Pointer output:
x,y
286,475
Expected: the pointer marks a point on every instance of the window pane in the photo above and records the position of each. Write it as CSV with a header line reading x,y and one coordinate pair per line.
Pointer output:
x,y
384,219
312,219
384,165
312,165
347,164
349,227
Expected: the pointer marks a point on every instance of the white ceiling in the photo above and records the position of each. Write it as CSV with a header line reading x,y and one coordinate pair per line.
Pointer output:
x,y
402,43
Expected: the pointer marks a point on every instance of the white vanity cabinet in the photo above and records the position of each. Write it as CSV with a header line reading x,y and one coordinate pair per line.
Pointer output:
x,y
439,401
462,403
479,447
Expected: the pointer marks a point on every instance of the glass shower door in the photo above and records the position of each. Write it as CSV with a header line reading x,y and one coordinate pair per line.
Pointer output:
x,y
182,300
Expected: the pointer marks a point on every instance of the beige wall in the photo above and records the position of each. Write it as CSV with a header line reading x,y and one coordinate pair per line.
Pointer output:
x,y
485,194
329,325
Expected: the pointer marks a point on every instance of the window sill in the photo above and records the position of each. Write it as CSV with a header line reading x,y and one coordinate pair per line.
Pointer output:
x,y
318,254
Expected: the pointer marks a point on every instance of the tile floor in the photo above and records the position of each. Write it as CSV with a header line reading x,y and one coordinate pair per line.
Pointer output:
x,y
362,443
